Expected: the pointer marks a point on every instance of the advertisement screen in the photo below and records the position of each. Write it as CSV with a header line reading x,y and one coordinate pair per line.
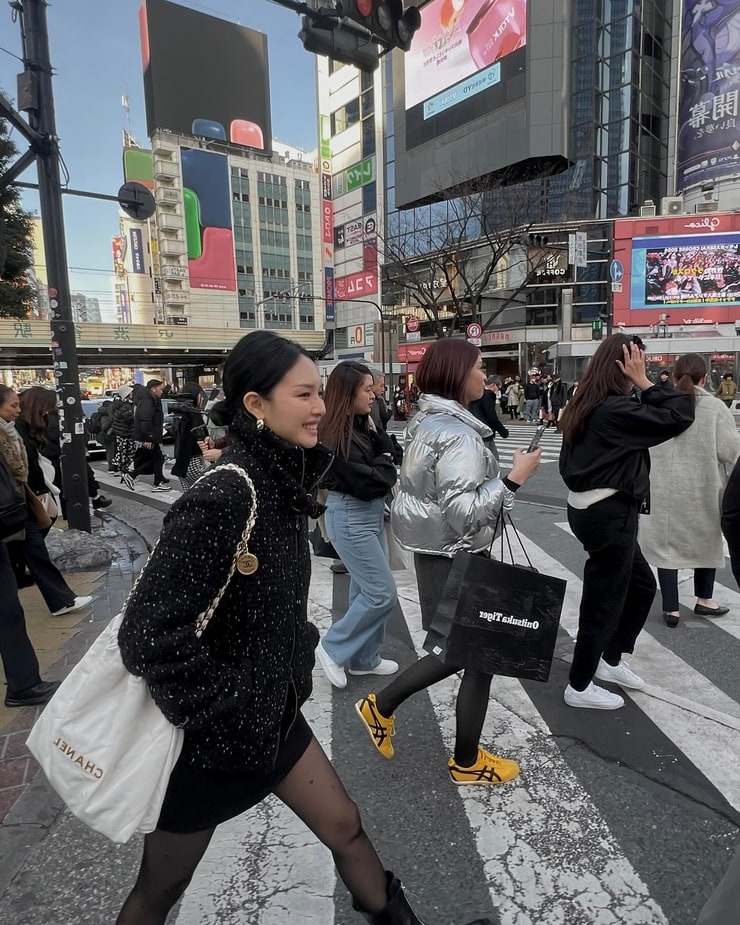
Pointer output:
x,y
708,100
204,76
466,60
690,270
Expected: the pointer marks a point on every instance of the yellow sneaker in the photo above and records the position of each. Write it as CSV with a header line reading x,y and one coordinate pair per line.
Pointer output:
x,y
488,769
381,728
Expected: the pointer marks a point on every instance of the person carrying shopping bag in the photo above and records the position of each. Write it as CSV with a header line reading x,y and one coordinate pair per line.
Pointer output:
x,y
451,494
361,476
237,690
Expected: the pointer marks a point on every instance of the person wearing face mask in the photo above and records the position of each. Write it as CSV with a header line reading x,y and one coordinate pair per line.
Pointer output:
x,y
361,475
451,494
237,690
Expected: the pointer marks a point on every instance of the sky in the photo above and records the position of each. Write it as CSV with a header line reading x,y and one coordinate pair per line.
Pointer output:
x,y
94,48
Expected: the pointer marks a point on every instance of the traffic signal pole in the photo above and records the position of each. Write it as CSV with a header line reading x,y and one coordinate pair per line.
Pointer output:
x,y
42,121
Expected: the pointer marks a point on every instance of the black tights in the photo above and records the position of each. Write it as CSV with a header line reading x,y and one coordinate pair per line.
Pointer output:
x,y
316,795
470,710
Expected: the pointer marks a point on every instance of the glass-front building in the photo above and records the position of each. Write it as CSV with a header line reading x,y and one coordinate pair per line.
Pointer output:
x,y
620,100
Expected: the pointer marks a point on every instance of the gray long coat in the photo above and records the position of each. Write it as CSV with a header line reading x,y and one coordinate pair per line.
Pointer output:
x,y
688,475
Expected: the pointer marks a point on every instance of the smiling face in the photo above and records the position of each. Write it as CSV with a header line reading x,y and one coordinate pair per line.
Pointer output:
x,y
476,382
295,405
11,408
364,396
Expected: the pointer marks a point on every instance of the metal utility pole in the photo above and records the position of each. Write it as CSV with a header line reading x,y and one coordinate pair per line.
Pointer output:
x,y
37,99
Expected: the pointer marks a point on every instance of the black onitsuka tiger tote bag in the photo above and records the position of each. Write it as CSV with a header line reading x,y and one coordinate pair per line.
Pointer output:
x,y
497,617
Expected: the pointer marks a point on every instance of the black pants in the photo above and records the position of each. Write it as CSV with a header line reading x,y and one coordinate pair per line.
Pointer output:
x,y
54,589
17,654
668,580
618,585
149,460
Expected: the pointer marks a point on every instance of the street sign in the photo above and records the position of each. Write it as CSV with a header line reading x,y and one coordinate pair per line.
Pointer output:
x,y
412,324
474,331
616,272
136,201
475,341
413,337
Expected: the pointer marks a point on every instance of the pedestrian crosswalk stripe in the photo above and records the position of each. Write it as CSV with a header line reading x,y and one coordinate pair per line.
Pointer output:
x,y
663,669
729,623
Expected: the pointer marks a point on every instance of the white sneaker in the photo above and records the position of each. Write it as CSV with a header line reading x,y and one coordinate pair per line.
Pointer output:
x,y
620,674
335,673
164,486
384,666
593,698
79,603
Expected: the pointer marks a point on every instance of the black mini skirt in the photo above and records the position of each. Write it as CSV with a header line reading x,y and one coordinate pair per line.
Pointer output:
x,y
198,798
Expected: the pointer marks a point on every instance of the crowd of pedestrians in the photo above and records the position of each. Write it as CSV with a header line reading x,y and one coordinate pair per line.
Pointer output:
x,y
631,450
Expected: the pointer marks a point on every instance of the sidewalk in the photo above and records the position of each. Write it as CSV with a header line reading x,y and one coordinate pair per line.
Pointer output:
x,y
59,642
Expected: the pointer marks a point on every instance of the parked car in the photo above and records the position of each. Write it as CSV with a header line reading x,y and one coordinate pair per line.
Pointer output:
x,y
89,407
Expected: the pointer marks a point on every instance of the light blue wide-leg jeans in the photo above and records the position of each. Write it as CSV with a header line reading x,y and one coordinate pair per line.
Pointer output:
x,y
356,529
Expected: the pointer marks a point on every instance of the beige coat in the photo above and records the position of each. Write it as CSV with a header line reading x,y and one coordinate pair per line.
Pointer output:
x,y
688,475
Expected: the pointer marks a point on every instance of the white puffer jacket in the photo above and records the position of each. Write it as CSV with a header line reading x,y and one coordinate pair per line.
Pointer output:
x,y
450,490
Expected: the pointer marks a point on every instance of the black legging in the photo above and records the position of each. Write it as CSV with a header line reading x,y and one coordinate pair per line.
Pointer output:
x,y
470,709
475,687
316,795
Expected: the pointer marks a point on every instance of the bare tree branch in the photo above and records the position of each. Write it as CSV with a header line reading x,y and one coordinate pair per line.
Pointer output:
x,y
444,257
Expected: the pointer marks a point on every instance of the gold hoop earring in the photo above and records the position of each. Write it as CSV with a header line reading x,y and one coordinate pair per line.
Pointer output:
x,y
260,424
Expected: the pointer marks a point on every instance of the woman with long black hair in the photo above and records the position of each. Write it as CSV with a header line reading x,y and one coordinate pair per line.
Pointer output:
x,y
21,453
605,462
361,476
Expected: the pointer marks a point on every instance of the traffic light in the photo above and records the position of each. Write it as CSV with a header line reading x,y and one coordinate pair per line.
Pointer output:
x,y
354,31
387,19
597,330
334,42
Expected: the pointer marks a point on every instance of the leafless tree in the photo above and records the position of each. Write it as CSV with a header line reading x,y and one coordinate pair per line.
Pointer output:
x,y
444,257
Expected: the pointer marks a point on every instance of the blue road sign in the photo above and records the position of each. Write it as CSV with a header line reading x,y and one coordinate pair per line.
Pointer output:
x,y
616,271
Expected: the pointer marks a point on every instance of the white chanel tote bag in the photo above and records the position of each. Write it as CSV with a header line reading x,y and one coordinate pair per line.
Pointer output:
x,y
103,743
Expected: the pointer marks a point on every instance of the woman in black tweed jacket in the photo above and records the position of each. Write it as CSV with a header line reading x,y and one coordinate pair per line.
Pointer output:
x,y
237,691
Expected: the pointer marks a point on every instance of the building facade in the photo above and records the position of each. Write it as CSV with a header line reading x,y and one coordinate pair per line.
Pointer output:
x,y
234,241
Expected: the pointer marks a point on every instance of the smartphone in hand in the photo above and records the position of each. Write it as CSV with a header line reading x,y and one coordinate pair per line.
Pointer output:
x,y
536,439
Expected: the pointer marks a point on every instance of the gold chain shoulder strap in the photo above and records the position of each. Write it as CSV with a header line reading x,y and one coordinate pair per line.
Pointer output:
x,y
247,561
242,557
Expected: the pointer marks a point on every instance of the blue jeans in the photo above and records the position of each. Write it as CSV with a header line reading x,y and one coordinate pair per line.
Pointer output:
x,y
356,529
533,409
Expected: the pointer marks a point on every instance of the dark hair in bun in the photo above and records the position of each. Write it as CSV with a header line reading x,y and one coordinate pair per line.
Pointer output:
x,y
256,364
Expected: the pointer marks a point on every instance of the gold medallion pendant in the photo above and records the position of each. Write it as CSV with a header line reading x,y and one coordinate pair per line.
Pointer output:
x,y
247,563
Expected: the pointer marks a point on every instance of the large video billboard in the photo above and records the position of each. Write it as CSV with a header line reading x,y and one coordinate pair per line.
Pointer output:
x,y
464,62
204,76
708,147
483,93
686,267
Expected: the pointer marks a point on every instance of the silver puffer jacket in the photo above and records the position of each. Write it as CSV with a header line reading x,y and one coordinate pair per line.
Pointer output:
x,y
450,490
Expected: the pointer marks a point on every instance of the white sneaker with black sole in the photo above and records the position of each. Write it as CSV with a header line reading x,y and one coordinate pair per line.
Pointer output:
x,y
592,698
79,603
620,674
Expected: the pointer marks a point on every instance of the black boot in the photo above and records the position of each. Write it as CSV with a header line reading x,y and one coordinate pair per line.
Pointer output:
x,y
398,910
